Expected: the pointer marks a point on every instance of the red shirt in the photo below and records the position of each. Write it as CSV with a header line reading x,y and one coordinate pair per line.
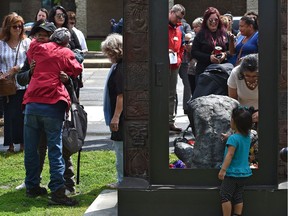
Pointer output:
x,y
45,85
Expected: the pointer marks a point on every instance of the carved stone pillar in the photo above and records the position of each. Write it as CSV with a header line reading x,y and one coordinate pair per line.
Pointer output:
x,y
81,15
136,93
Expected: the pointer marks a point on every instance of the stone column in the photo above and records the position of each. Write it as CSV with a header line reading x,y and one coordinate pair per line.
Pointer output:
x,y
136,94
81,15
282,121
252,5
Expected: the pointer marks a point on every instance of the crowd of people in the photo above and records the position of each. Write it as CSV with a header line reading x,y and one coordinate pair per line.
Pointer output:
x,y
211,40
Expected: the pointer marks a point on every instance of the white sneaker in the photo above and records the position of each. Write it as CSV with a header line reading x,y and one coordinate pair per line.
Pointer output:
x,y
20,187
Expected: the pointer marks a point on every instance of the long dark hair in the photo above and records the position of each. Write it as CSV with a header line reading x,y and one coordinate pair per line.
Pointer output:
x,y
220,32
44,10
242,117
51,17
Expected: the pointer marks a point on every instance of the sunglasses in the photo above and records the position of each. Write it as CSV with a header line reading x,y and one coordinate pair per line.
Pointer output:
x,y
17,26
60,15
213,20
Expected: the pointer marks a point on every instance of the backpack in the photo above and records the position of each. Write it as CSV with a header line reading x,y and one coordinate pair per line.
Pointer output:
x,y
213,80
74,130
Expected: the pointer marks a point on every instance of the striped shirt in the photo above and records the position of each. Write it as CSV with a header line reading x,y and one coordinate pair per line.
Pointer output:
x,y
8,56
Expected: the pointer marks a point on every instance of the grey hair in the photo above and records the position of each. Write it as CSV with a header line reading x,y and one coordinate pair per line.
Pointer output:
x,y
61,36
112,46
248,63
198,21
178,7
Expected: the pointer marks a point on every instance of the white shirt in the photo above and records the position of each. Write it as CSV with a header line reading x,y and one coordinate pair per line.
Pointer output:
x,y
8,56
246,96
81,39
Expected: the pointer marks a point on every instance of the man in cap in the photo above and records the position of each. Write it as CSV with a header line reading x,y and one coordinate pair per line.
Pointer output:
x,y
45,103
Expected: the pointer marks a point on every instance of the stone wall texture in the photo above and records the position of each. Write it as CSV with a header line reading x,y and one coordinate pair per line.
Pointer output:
x,y
282,121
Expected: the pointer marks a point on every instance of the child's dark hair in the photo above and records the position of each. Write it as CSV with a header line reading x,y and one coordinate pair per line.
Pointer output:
x,y
242,117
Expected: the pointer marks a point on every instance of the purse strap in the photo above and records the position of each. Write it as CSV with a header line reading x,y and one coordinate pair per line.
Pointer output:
x,y
16,58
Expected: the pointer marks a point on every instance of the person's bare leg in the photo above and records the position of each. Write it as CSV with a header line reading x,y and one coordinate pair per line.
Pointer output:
x,y
226,208
238,208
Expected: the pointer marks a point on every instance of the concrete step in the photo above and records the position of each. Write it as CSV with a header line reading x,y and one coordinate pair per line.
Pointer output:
x,y
97,63
94,54
96,59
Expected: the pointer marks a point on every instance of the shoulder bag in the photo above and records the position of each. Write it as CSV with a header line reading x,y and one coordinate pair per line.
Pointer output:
x,y
8,82
74,130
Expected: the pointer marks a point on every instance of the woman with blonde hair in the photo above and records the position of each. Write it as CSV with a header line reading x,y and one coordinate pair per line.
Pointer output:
x,y
13,48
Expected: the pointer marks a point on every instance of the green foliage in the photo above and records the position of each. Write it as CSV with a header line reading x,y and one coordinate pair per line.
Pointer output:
x,y
94,45
97,168
58,2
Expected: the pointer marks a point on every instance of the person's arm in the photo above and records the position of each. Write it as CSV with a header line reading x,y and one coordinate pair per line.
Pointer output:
x,y
25,73
196,51
226,163
114,124
232,93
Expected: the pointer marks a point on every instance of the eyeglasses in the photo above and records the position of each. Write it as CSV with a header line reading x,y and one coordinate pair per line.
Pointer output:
x,y
213,20
61,15
178,17
17,27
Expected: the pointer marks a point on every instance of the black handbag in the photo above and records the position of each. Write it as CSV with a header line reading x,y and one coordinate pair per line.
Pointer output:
x,y
75,128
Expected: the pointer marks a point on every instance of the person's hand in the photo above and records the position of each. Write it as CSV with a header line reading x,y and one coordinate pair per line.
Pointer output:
x,y
255,117
214,59
231,36
114,124
64,77
221,174
224,137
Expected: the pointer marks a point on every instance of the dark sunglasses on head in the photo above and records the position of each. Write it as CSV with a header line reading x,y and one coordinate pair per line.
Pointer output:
x,y
17,26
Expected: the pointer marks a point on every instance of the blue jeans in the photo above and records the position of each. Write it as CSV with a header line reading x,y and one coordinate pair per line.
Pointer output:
x,y
33,124
118,147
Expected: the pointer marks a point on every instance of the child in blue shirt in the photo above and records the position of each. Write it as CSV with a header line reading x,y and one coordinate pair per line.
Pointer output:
x,y
235,168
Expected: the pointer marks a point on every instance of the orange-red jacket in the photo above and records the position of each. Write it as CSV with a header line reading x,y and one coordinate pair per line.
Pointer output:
x,y
176,43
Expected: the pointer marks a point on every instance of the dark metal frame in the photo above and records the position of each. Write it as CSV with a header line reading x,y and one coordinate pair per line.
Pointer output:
x,y
269,55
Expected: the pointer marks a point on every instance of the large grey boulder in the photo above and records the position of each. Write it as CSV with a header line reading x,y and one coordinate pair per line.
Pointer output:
x,y
209,117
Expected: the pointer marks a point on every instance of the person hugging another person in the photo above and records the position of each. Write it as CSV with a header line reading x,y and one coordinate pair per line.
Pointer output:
x,y
235,168
45,103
